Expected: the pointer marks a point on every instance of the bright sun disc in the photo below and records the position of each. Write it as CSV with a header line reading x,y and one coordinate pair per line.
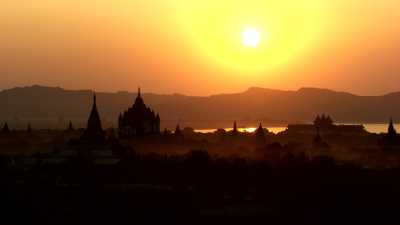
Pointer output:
x,y
251,38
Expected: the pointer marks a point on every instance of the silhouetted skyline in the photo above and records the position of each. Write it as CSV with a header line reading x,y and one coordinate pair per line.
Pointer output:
x,y
59,106
154,112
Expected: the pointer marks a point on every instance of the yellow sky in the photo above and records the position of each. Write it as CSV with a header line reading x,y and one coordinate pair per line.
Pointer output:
x,y
194,46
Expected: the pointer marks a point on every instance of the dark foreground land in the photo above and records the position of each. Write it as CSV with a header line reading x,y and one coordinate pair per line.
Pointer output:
x,y
199,189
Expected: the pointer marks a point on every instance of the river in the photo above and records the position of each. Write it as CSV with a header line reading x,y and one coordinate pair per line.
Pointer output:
x,y
370,127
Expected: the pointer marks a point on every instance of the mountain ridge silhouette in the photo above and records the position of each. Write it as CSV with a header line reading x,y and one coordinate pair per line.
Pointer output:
x,y
254,104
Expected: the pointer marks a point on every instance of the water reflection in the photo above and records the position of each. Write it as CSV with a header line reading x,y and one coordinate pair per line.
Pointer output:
x,y
274,130
370,127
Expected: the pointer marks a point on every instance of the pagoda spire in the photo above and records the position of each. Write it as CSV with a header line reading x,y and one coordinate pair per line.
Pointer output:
x,y
178,130
260,134
139,101
94,118
391,130
70,127
6,129
94,130
235,129
260,129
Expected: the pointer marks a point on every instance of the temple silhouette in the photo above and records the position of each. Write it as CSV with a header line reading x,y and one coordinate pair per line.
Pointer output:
x,y
138,120
91,174
5,128
260,135
235,131
326,125
319,143
93,143
94,132
323,122
391,138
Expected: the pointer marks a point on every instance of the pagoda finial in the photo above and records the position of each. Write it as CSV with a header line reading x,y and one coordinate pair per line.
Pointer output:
x,y
235,130
94,131
391,129
139,91
6,129
178,130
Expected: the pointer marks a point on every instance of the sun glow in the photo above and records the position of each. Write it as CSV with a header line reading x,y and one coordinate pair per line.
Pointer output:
x,y
254,35
251,38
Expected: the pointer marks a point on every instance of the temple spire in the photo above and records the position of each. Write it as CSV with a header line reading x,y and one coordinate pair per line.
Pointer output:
x,y
94,130
260,135
94,118
259,130
391,130
70,127
139,101
235,129
6,129
178,130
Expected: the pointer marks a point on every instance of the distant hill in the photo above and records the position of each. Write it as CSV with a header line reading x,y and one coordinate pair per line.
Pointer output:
x,y
55,107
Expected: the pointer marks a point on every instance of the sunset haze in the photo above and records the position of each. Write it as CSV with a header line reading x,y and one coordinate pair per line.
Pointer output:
x,y
196,47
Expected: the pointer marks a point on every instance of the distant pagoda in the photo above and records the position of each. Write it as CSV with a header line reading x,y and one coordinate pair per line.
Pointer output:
x,y
70,127
391,139
235,130
392,133
138,120
326,125
5,129
260,135
323,122
178,130
94,131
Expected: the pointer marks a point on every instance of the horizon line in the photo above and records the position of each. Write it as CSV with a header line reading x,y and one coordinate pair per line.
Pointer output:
x,y
209,95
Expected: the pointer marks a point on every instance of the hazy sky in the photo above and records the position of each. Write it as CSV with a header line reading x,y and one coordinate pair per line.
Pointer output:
x,y
195,47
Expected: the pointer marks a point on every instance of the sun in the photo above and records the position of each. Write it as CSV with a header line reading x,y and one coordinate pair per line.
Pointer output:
x,y
251,38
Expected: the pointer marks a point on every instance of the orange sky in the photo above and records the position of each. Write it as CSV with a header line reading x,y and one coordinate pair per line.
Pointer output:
x,y
193,47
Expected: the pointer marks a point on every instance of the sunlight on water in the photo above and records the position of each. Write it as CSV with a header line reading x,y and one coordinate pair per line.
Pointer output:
x,y
274,130
378,128
370,127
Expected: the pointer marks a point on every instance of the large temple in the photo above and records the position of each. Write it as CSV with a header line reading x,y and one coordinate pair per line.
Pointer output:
x,y
327,126
138,120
